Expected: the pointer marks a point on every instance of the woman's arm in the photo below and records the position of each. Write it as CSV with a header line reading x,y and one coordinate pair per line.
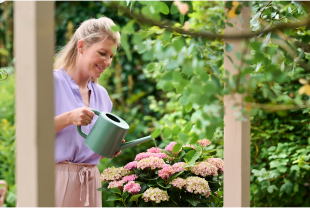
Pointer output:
x,y
78,117
62,121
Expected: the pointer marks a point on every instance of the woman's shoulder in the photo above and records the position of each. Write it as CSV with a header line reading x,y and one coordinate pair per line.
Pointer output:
x,y
58,74
103,95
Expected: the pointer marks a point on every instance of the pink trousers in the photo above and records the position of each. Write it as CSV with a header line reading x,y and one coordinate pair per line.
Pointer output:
x,y
77,184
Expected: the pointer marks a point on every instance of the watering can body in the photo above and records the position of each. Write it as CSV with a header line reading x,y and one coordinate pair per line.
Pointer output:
x,y
107,135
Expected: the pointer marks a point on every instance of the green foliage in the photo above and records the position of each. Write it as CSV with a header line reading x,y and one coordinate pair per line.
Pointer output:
x,y
7,99
7,138
279,146
6,34
280,156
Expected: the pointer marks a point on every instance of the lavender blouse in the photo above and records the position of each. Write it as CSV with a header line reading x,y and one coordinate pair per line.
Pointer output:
x,y
69,144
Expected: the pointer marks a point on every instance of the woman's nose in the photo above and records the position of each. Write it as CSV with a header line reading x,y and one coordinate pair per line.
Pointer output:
x,y
107,62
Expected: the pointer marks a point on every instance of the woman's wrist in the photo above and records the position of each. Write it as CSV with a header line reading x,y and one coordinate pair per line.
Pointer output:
x,y
69,119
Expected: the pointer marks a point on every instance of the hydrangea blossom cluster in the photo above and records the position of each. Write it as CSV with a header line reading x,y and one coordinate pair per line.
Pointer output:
x,y
130,177
154,150
112,174
198,186
143,155
179,167
132,187
204,142
131,165
156,163
166,172
218,162
116,184
178,182
155,194
150,162
170,146
165,165
204,169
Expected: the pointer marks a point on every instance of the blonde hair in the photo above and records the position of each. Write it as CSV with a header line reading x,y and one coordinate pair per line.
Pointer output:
x,y
91,31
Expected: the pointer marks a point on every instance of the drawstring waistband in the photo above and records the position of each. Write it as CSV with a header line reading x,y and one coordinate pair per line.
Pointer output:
x,y
85,172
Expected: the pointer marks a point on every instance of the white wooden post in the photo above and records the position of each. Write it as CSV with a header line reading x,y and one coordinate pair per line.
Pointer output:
x,y
34,51
236,133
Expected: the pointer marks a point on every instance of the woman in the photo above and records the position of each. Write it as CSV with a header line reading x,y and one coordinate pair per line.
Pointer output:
x,y
78,65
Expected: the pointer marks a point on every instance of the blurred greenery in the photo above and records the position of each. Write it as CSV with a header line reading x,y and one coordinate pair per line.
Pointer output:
x,y
6,34
169,82
7,138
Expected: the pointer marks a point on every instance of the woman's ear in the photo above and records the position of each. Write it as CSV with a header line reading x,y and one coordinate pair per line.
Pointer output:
x,y
80,46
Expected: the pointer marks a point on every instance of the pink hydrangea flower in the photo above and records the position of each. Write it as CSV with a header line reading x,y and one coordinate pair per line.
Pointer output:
x,y
197,185
204,169
154,150
179,167
170,146
178,182
143,155
204,142
112,174
166,172
132,187
130,177
165,165
116,184
150,162
131,165
218,162
155,194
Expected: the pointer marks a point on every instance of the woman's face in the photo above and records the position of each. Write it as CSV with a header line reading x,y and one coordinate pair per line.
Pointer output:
x,y
95,59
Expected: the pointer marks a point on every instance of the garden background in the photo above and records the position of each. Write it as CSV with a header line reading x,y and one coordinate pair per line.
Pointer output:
x,y
155,72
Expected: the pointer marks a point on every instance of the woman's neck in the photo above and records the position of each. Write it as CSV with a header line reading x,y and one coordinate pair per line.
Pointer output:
x,y
80,79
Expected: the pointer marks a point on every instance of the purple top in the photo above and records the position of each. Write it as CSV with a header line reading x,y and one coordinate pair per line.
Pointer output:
x,y
69,144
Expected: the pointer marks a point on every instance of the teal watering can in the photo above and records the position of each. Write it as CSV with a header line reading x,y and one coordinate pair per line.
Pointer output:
x,y
107,135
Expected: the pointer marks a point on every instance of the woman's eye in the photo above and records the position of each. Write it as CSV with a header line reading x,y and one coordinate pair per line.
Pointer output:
x,y
102,54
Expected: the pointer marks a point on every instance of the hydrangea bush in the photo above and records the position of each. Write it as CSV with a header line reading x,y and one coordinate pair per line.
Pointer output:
x,y
178,177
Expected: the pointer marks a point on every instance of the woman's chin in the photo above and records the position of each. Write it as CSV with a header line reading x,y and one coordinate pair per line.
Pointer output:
x,y
96,76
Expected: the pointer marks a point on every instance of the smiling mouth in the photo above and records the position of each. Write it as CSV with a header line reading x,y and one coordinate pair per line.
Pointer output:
x,y
101,69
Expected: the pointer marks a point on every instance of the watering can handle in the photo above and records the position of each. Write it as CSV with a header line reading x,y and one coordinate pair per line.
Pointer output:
x,y
79,127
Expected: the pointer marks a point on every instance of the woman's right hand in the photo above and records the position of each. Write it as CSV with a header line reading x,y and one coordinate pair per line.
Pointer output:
x,y
81,116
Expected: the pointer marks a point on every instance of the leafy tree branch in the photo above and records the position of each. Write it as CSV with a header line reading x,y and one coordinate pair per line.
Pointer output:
x,y
169,26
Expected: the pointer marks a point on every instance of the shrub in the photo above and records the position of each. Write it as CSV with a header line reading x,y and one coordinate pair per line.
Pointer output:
x,y
175,176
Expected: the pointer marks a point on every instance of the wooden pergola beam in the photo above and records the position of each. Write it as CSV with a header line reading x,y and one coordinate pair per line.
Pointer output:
x,y
236,133
34,52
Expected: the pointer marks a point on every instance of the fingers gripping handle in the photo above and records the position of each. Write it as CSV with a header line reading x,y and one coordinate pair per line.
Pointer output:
x,y
80,129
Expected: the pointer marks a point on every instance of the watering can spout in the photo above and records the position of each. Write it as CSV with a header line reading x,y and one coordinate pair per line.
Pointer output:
x,y
134,142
